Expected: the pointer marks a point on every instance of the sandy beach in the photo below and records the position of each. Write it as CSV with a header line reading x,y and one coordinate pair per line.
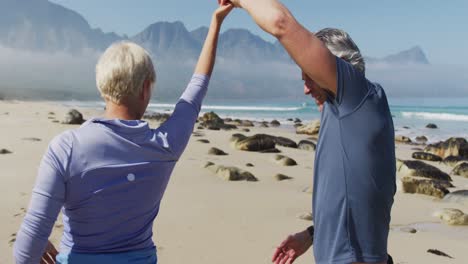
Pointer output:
x,y
205,219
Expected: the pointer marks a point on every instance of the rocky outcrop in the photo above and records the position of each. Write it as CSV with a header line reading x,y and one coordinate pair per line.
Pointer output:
x,y
285,142
426,187
457,147
284,161
431,126
230,173
418,168
275,123
452,216
461,170
73,117
309,129
212,121
426,156
307,145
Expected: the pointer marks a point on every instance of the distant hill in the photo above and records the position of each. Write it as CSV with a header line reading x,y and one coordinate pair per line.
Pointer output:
x,y
415,55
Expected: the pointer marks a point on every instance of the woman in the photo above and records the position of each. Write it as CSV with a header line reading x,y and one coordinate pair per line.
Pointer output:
x,y
109,175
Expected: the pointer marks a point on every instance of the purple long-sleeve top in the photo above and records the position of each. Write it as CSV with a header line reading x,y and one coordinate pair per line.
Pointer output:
x,y
108,177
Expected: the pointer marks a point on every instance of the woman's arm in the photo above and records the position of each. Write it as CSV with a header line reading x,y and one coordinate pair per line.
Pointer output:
x,y
177,129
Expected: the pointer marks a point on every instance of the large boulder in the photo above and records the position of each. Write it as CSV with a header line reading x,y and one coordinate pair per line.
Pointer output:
x,y
309,129
426,156
275,123
230,173
431,126
73,117
460,196
453,161
452,216
461,170
285,142
257,142
418,168
212,121
307,145
284,161
426,187
451,147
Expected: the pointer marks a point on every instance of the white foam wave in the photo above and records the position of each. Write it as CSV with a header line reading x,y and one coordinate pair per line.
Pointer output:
x,y
234,108
435,116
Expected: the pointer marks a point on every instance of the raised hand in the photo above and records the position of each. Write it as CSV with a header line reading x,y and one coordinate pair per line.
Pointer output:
x,y
292,248
49,255
225,7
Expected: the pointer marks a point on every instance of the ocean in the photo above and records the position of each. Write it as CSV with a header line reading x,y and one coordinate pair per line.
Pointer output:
x,y
411,115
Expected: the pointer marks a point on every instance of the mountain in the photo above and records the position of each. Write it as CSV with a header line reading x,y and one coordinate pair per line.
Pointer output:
x,y
40,25
415,55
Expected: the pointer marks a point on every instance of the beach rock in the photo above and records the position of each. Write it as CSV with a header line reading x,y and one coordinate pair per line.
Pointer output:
x,y
297,120
208,164
297,125
158,117
264,125
310,129
200,127
285,142
426,187
306,216
308,190
275,123
273,150
231,173
426,156
5,151
307,145
212,121
452,216
284,161
204,141
431,126
227,120
246,123
259,142
55,121
211,116
246,130
408,229
73,117
33,139
402,139
421,139
460,196
461,170
290,119
282,177
453,161
237,137
216,152
451,147
249,165
51,113
438,253
406,127
418,168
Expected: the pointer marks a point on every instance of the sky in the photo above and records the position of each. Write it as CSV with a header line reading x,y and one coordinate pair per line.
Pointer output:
x,y
380,28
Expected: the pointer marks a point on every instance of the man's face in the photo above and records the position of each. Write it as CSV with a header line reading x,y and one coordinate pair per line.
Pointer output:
x,y
310,87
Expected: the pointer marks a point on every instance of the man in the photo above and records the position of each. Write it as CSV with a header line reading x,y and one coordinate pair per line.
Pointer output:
x,y
109,175
354,178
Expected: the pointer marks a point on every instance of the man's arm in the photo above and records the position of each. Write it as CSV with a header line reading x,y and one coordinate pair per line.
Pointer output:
x,y
312,56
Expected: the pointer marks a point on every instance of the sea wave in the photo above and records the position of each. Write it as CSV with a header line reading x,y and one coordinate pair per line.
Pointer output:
x,y
235,108
435,116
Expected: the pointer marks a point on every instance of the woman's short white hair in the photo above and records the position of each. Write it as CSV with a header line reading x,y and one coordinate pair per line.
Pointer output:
x,y
122,70
341,45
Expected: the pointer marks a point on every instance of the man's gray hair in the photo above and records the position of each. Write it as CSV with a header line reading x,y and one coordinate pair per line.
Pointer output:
x,y
341,45
122,70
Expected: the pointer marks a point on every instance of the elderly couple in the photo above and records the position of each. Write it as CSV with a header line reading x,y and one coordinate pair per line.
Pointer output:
x,y
108,176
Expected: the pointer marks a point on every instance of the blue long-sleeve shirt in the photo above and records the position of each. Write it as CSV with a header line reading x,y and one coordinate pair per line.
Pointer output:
x,y
108,177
